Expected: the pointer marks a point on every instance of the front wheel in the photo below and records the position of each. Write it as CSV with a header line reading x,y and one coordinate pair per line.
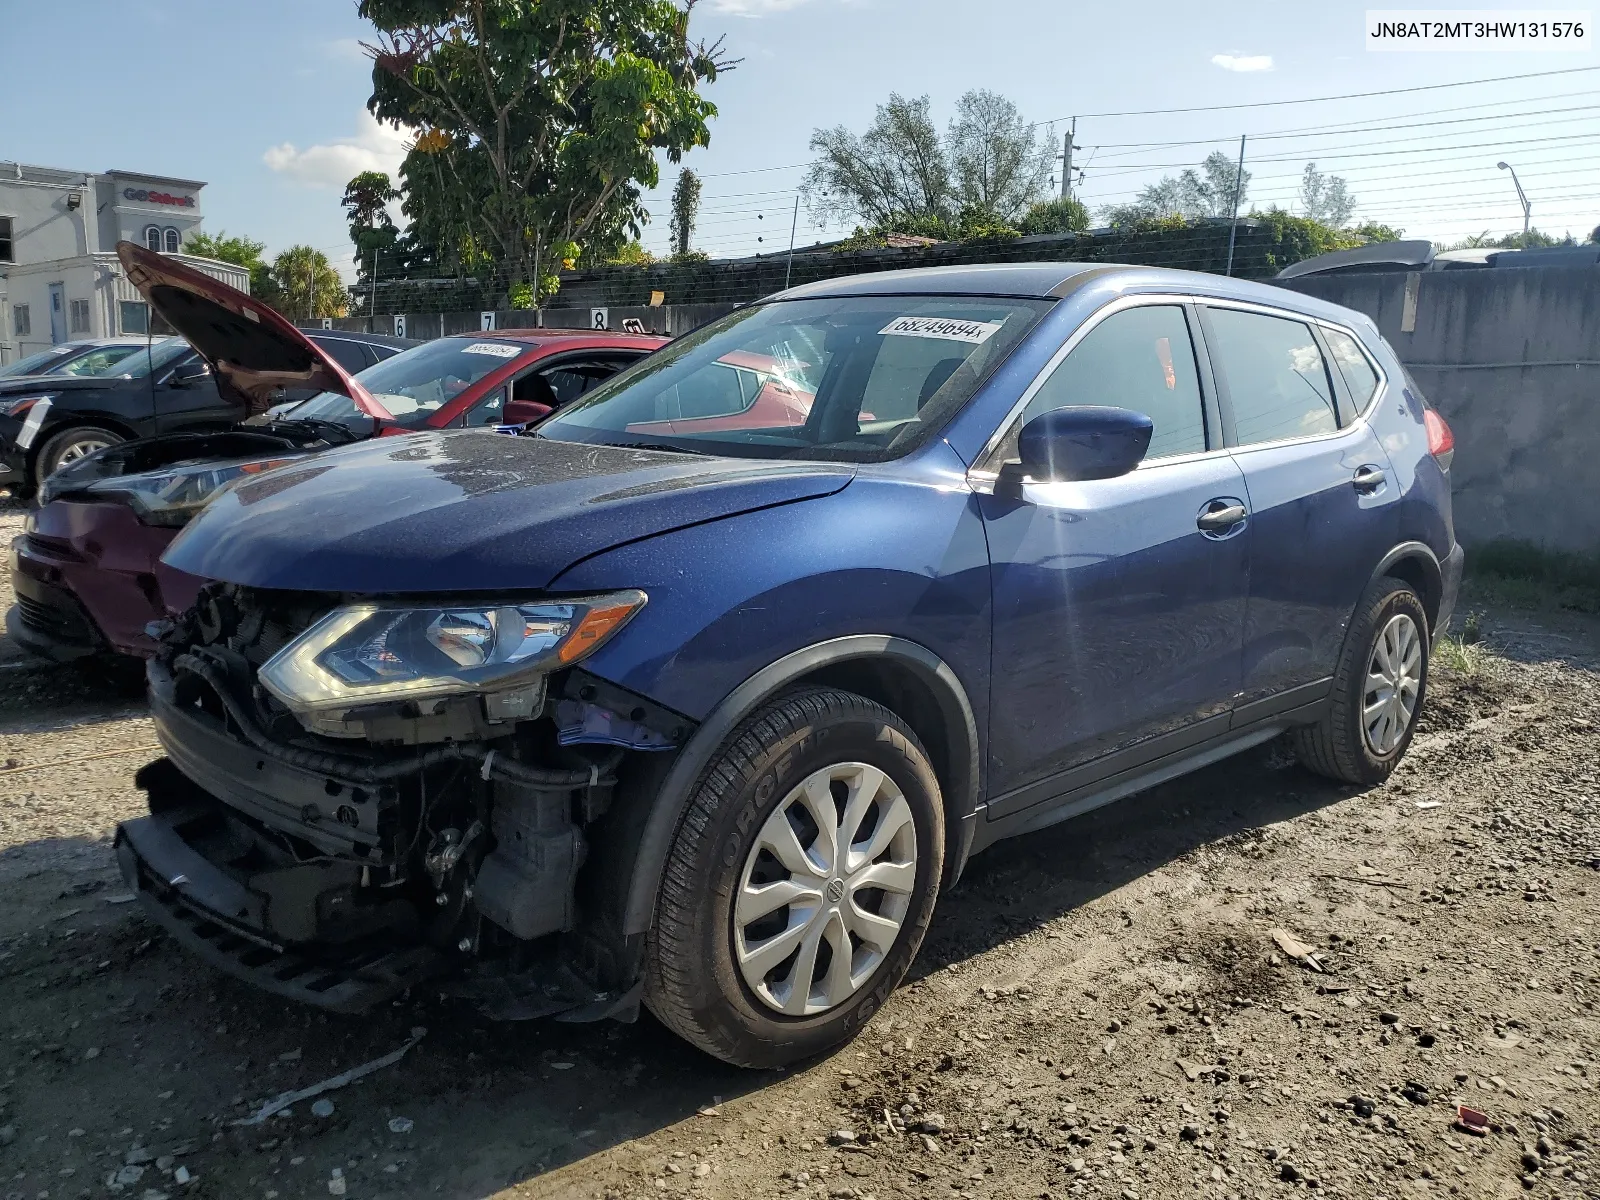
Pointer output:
x,y
800,882
1378,687
68,446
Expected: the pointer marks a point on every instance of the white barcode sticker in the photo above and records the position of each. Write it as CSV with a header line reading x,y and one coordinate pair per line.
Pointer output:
x,y
951,329
495,349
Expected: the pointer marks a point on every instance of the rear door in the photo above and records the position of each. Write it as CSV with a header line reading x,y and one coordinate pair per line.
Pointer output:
x,y
1118,603
1321,492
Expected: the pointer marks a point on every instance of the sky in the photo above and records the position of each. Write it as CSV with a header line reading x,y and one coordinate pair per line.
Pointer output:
x,y
266,104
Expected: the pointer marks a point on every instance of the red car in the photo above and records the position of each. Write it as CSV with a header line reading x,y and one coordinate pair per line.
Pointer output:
x,y
87,571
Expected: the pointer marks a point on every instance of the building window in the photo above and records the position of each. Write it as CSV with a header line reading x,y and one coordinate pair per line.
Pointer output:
x,y
21,322
6,252
173,241
80,316
135,316
152,236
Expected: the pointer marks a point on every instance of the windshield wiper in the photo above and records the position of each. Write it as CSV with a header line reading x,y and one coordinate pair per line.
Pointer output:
x,y
340,433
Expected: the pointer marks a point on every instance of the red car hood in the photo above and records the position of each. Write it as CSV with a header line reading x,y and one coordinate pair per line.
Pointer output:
x,y
252,350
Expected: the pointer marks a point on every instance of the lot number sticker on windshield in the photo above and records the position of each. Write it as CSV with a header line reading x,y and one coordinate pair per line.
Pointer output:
x,y
494,349
952,329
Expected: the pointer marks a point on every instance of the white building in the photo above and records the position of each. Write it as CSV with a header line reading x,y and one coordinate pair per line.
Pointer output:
x,y
59,274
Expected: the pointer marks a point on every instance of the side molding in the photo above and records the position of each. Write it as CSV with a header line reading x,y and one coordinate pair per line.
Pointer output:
x,y
960,728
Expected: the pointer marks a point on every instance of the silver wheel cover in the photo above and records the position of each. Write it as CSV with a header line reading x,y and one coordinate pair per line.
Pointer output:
x,y
1394,680
81,448
825,889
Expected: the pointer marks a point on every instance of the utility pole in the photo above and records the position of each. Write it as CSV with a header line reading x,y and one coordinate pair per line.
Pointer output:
x,y
311,277
794,224
372,297
1066,160
1238,185
1527,209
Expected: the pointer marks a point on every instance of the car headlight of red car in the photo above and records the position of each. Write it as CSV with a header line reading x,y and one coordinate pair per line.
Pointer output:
x,y
172,496
373,653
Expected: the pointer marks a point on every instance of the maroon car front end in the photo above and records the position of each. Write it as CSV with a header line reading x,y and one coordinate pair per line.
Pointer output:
x,y
87,569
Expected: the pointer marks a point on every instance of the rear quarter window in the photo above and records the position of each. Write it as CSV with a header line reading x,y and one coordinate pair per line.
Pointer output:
x,y
1360,376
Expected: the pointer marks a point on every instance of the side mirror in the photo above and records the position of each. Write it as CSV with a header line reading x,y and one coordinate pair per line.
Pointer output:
x,y
520,412
1079,443
190,374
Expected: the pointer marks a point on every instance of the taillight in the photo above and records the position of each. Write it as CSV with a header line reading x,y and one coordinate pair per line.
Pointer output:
x,y
1441,442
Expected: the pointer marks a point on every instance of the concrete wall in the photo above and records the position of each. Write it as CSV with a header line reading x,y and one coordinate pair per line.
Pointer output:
x,y
1511,358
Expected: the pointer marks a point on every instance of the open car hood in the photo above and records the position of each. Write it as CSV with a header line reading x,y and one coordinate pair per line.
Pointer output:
x,y
251,349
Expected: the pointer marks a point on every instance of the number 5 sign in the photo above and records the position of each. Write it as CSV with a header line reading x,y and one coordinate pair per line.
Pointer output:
x,y
599,318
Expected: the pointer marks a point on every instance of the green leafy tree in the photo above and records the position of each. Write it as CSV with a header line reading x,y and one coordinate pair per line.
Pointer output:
x,y
1065,214
685,210
540,121
241,252
629,254
989,160
896,169
1373,231
308,286
366,204
998,162
1325,198
1192,195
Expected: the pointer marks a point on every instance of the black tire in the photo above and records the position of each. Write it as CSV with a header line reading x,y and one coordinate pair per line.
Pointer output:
x,y
70,443
1338,745
693,982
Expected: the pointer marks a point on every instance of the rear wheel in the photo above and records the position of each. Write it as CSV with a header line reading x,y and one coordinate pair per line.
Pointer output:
x,y
800,882
1379,686
68,446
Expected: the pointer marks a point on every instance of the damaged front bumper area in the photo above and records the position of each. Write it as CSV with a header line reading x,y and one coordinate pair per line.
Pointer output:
x,y
340,873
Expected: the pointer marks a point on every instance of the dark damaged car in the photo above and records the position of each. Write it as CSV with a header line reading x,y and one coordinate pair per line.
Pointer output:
x,y
87,570
634,708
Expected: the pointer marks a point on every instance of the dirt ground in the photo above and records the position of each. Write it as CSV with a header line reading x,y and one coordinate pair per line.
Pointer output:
x,y
1100,1010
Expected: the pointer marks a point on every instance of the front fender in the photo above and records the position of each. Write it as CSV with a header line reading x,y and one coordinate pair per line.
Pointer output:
x,y
889,575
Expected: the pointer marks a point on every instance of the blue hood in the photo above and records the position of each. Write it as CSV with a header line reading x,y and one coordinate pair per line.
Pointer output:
x,y
468,511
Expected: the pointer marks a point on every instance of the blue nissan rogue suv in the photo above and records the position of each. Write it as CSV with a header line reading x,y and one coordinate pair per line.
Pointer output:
x,y
666,700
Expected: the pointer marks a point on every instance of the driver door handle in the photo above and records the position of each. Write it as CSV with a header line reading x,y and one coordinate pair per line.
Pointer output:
x,y
1368,479
1215,520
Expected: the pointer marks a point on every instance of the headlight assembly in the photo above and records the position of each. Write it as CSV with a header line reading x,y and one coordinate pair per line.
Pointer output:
x,y
171,496
20,406
372,653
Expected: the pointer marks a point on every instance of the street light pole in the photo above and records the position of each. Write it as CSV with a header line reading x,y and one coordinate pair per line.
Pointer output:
x,y
1527,209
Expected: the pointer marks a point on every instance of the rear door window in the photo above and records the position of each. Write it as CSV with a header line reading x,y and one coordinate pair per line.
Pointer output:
x,y
1140,359
348,355
1277,380
1360,376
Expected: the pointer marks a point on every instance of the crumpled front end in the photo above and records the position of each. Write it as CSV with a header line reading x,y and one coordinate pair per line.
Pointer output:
x,y
406,842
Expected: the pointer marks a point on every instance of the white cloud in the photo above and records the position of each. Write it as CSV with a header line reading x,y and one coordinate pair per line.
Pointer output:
x,y
1243,62
754,8
375,147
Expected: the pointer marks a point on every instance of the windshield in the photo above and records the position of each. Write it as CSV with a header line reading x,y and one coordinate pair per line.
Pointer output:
x,y
156,358
416,383
102,360
35,363
858,378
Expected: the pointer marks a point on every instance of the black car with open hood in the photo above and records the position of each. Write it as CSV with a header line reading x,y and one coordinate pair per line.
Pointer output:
x,y
234,358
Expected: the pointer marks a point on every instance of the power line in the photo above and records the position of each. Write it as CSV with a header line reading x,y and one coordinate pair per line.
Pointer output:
x,y
1590,109
1429,87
